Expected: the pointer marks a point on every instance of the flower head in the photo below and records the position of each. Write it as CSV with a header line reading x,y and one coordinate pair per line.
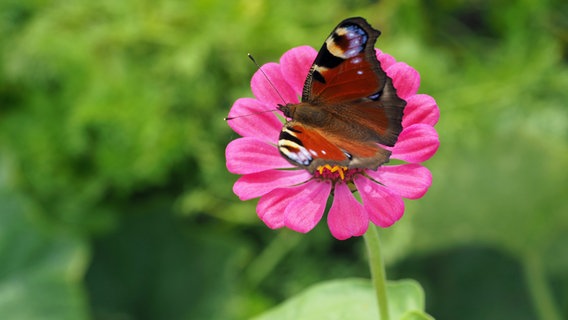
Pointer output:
x,y
295,198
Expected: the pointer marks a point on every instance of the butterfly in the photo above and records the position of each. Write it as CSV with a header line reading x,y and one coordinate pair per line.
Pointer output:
x,y
349,108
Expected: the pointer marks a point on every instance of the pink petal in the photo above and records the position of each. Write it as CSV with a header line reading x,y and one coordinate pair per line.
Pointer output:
x,y
405,79
272,206
386,60
408,180
250,155
304,213
383,206
347,217
252,123
420,108
416,143
264,92
295,64
258,184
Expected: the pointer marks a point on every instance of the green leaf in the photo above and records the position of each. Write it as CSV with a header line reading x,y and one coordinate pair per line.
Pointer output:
x,y
351,299
40,270
416,315
155,267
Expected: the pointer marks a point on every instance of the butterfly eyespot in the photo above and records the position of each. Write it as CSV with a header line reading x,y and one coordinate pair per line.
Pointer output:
x,y
292,149
376,96
353,52
356,60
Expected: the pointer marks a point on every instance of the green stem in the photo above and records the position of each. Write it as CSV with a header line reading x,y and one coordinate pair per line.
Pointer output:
x,y
265,263
539,289
377,266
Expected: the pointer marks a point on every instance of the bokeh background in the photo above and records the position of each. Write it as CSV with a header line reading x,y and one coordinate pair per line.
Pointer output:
x,y
115,202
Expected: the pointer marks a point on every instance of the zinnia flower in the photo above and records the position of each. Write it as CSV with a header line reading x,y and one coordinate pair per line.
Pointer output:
x,y
294,198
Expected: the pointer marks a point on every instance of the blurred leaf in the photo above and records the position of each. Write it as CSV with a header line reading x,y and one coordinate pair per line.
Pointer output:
x,y
499,177
416,315
40,270
351,299
473,273
156,267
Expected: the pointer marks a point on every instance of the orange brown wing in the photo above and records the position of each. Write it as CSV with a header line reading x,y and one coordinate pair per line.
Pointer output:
x,y
349,105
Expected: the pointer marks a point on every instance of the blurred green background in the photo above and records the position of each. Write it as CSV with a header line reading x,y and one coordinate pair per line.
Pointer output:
x,y
114,198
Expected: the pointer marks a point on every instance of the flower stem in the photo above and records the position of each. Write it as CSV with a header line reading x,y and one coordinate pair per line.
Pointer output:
x,y
539,288
377,266
269,258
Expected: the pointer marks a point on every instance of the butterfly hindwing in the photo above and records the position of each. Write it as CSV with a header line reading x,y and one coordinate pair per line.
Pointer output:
x,y
303,145
311,148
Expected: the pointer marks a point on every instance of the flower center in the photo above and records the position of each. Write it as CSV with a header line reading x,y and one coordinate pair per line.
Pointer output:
x,y
335,173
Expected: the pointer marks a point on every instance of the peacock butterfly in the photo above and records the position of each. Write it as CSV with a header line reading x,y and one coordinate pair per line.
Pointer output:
x,y
349,108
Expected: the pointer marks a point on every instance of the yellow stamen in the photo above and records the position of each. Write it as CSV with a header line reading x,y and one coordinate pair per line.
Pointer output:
x,y
339,169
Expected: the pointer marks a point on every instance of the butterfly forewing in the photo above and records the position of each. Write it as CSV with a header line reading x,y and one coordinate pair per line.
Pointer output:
x,y
346,67
349,105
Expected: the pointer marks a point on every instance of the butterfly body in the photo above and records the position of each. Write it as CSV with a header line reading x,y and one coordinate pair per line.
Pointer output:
x,y
349,107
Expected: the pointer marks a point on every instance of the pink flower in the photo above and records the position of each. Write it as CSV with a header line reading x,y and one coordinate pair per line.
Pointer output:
x,y
294,198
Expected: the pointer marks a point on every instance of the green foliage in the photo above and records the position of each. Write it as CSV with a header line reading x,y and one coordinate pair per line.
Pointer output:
x,y
351,299
41,271
115,199
174,271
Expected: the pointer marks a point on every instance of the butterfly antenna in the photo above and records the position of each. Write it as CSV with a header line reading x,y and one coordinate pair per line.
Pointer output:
x,y
248,115
271,84
266,76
